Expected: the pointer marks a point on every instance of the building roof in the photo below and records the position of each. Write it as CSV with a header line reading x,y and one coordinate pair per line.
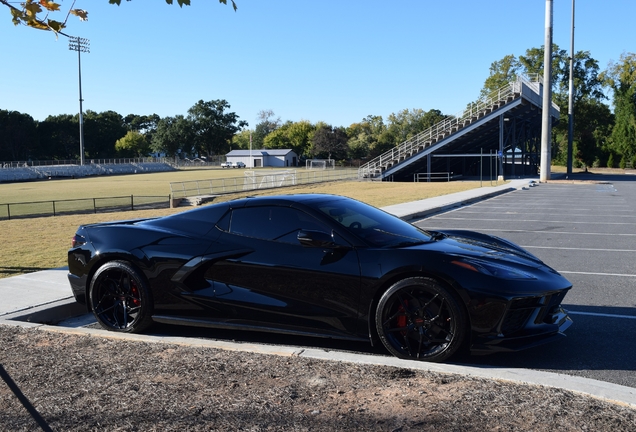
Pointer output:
x,y
261,152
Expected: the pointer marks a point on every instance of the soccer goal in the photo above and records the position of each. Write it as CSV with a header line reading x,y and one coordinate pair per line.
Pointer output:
x,y
320,164
258,179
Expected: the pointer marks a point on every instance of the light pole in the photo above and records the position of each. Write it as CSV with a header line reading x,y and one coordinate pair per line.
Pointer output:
x,y
80,45
571,98
546,120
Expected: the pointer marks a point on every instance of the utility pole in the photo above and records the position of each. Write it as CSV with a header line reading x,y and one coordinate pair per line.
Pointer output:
x,y
80,45
546,123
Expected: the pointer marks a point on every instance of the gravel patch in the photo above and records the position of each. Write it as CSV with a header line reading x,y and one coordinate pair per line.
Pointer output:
x,y
88,383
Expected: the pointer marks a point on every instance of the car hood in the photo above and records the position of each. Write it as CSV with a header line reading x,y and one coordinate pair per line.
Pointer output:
x,y
477,245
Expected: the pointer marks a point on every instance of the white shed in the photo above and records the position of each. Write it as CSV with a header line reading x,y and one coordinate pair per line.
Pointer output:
x,y
264,157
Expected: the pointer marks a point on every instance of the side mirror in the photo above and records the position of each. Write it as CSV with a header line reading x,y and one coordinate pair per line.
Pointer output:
x,y
317,239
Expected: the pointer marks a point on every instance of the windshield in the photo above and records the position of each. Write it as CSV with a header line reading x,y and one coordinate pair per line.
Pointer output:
x,y
373,225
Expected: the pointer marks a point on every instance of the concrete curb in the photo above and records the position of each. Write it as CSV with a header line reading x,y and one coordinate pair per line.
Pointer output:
x,y
453,205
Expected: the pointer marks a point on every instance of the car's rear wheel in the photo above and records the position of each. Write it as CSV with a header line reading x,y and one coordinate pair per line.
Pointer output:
x,y
120,298
417,318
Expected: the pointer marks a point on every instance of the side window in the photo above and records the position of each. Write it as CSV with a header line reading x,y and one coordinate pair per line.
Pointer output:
x,y
272,223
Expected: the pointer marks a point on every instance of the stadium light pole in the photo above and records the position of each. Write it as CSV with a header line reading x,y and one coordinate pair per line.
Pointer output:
x,y
546,120
80,45
571,98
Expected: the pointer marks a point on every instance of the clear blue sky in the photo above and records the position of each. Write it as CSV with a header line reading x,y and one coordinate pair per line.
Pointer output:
x,y
321,60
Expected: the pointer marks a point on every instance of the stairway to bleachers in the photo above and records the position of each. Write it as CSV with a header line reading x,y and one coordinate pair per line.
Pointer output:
x,y
442,134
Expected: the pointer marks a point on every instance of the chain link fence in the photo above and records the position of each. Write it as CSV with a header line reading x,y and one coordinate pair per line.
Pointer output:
x,y
82,205
258,180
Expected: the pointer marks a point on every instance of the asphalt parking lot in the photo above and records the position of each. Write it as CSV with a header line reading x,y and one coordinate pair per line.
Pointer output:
x,y
587,232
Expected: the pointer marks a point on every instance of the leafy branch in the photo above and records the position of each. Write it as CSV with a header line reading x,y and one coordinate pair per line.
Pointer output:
x,y
35,13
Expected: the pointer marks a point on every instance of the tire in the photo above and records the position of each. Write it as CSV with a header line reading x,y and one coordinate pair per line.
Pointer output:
x,y
419,319
120,299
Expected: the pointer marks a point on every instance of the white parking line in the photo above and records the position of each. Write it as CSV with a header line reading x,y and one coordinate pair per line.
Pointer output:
x,y
597,274
537,220
578,248
602,315
422,224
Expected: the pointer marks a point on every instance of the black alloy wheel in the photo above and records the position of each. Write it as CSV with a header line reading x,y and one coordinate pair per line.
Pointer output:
x,y
419,319
120,299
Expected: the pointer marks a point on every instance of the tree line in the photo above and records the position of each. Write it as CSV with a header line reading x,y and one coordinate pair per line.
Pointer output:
x,y
602,136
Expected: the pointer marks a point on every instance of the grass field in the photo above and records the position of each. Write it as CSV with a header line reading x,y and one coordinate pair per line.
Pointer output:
x,y
106,186
41,243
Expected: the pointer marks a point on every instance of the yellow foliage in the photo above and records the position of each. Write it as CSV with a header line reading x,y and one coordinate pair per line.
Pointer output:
x,y
49,5
30,13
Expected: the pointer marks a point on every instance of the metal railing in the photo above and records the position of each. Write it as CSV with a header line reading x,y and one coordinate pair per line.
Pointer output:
x,y
265,180
441,130
110,161
427,177
81,205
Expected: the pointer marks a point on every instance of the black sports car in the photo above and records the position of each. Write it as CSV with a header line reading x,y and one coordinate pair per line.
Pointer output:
x,y
318,265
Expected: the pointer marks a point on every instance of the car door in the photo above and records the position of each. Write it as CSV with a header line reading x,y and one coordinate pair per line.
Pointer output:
x,y
281,284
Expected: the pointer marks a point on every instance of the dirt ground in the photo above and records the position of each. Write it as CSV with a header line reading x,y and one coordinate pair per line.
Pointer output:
x,y
62,382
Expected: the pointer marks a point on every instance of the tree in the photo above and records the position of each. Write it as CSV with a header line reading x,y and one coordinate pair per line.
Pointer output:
x,y
592,126
35,13
621,78
266,125
101,131
141,123
242,140
59,137
369,137
592,117
329,143
532,65
18,137
144,124
132,144
294,135
406,124
278,139
502,72
173,136
213,127
300,134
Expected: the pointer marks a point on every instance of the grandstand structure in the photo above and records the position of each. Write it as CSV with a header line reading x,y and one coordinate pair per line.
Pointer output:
x,y
25,171
503,129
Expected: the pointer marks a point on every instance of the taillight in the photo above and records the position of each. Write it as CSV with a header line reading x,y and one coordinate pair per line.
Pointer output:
x,y
77,240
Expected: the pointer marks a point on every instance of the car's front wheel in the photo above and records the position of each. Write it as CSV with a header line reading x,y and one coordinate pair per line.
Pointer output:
x,y
417,318
120,299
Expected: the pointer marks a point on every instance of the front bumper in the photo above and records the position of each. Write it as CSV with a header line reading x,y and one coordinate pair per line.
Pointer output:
x,y
488,344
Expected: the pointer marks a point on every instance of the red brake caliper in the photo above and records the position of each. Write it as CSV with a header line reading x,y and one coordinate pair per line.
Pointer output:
x,y
135,295
401,320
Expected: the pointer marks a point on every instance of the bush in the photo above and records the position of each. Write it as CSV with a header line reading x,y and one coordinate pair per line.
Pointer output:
x,y
623,163
610,161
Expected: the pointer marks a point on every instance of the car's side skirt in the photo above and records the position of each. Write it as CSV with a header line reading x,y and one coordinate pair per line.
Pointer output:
x,y
238,325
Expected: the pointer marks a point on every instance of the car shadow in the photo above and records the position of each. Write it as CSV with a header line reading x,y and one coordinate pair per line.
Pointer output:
x,y
601,339
608,329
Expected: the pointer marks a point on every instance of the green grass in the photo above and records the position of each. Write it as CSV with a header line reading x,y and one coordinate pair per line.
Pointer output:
x,y
42,243
152,184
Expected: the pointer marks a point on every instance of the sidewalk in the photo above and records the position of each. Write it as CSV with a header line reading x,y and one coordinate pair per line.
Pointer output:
x,y
45,297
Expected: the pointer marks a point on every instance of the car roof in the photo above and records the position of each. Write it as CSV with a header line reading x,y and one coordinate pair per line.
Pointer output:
x,y
285,199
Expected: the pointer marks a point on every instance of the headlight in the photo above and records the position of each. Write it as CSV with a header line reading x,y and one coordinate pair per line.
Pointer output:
x,y
495,270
